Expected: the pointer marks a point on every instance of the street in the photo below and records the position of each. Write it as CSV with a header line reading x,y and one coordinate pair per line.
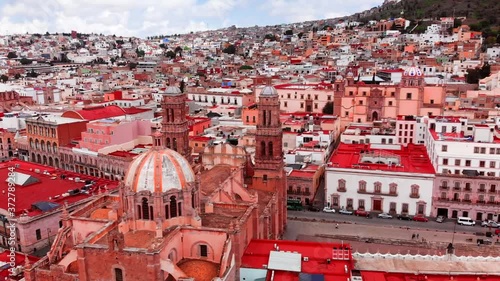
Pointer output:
x,y
446,226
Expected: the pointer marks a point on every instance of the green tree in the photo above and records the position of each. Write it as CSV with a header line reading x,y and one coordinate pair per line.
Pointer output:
x,y
245,67
132,65
328,108
140,53
12,55
25,61
170,54
4,78
231,49
17,76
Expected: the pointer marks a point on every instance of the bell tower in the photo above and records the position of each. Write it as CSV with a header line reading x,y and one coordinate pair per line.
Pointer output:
x,y
174,126
268,139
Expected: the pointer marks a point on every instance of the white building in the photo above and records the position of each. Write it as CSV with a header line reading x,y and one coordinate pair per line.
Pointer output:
x,y
380,178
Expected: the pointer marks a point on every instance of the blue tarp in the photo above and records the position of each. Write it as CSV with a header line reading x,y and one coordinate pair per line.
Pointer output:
x,y
46,206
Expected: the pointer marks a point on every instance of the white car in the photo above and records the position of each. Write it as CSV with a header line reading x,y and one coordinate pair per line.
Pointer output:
x,y
384,216
489,223
328,210
345,212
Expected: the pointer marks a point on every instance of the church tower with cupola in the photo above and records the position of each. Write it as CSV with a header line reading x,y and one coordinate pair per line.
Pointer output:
x,y
269,174
174,126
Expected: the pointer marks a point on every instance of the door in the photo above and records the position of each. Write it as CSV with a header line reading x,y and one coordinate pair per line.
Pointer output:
x,y
377,205
465,214
479,216
442,212
454,214
421,209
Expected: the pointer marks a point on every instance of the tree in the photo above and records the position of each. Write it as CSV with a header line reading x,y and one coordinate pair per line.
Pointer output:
x,y
182,85
328,108
12,55
140,53
289,32
245,67
17,76
229,50
132,65
170,54
4,78
178,50
25,61
270,37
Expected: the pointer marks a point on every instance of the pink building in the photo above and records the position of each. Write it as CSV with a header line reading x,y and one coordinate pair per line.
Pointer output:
x,y
108,132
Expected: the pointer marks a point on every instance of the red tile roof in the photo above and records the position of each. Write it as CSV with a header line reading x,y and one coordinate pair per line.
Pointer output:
x,y
257,254
19,261
49,188
413,158
95,113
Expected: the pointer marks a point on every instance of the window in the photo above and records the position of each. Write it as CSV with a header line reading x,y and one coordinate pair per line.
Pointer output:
x,y
351,93
378,187
285,104
393,94
315,106
329,97
38,234
341,184
414,191
315,97
476,149
405,208
361,204
492,164
392,207
360,102
118,274
173,207
264,177
492,150
390,103
347,114
145,209
445,161
408,96
393,188
301,105
444,148
493,188
362,186
349,203
203,250
335,201
432,101
483,150
467,163
482,164
457,162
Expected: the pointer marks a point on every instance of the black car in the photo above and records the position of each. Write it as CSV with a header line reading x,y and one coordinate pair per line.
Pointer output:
x,y
404,217
313,209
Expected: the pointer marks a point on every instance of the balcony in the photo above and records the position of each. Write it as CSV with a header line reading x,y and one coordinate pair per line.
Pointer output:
x,y
444,187
363,191
493,191
341,189
456,188
468,189
415,196
483,190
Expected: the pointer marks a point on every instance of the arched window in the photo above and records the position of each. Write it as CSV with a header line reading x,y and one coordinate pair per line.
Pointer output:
x,y
192,199
179,208
166,212
139,211
173,207
262,148
269,118
118,274
174,144
264,120
151,212
168,142
145,209
270,149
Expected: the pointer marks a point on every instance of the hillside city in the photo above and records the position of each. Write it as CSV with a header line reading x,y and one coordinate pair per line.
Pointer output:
x,y
325,150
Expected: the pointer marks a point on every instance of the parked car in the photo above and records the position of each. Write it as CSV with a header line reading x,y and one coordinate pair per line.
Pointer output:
x,y
313,209
361,213
404,217
466,221
489,223
328,210
384,216
421,218
440,219
345,212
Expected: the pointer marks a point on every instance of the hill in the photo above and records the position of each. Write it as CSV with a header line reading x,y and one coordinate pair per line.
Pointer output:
x,y
481,15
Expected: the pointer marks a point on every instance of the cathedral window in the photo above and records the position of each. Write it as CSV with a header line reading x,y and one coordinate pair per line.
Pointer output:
x,y
179,208
145,209
204,250
118,274
173,207
262,148
151,212
270,148
166,211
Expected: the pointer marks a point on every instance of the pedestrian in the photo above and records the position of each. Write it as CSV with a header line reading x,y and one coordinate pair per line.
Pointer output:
x,y
337,226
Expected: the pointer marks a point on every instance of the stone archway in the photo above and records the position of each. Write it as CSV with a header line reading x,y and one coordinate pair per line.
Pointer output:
x,y
375,116
51,162
38,158
44,160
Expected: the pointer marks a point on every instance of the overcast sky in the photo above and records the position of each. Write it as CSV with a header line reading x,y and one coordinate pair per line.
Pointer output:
x,y
152,17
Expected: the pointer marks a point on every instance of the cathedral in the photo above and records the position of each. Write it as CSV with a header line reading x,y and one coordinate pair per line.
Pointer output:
x,y
169,222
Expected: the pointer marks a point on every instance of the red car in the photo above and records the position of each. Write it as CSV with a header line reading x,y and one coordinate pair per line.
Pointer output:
x,y
421,218
361,213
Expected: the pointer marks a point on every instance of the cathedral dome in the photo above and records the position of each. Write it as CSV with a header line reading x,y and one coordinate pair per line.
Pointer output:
x,y
269,91
159,170
172,90
413,71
